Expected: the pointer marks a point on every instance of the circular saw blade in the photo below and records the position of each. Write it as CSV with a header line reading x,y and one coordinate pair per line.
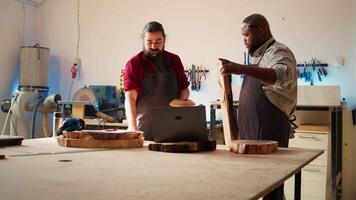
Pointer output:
x,y
85,94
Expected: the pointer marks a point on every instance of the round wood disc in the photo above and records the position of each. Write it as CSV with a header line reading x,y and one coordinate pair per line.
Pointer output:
x,y
183,147
254,146
181,103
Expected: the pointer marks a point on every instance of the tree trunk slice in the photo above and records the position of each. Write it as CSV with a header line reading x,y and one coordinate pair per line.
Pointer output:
x,y
103,134
84,143
183,147
229,119
181,103
254,146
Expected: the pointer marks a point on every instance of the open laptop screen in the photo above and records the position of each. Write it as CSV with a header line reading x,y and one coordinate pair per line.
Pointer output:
x,y
174,124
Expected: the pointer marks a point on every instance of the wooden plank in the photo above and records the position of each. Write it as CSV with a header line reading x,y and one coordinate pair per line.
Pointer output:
x,y
96,122
232,139
312,128
78,110
125,143
229,119
183,147
254,146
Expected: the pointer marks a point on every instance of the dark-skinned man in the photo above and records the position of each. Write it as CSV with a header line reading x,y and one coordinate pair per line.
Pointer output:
x,y
153,77
268,93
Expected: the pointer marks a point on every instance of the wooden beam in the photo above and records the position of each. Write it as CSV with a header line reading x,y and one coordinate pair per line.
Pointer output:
x,y
231,135
228,112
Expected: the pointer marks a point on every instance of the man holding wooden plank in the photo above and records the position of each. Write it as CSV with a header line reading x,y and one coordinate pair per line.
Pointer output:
x,y
269,90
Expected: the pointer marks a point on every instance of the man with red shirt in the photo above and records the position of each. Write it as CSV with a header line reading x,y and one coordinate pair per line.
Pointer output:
x,y
153,77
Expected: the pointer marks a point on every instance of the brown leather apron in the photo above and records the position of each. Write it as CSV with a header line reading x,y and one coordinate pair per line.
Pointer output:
x,y
158,89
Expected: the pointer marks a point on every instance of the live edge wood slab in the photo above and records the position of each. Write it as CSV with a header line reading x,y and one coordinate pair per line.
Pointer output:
x,y
80,143
183,147
102,139
231,136
254,146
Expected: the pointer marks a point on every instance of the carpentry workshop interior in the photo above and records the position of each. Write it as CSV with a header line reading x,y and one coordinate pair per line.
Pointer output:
x,y
189,99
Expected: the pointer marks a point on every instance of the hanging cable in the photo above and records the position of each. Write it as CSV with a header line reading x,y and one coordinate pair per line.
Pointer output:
x,y
76,66
78,28
13,125
9,113
70,90
24,23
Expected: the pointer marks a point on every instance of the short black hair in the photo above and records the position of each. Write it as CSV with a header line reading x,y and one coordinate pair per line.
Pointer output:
x,y
153,27
256,20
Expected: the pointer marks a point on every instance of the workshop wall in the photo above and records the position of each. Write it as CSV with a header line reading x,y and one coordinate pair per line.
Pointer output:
x,y
16,22
198,31
9,48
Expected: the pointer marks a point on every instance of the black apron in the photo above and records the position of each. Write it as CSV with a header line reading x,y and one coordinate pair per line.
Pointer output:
x,y
158,89
258,118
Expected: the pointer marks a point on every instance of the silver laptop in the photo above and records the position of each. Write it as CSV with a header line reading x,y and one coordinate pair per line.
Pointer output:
x,y
172,124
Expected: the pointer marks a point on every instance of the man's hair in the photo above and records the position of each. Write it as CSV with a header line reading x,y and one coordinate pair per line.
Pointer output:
x,y
153,27
256,21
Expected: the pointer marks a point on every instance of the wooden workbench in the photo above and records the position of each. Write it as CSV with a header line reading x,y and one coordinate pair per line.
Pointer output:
x,y
34,171
334,171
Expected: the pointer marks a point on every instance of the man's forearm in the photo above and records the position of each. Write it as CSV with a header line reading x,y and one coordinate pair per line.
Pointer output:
x,y
130,109
266,75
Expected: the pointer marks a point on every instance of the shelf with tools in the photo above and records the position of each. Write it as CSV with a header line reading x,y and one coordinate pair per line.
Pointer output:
x,y
195,75
308,70
313,65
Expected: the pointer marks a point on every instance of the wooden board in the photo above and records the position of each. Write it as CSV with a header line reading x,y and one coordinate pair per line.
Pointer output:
x,y
231,135
108,134
78,110
229,119
183,147
310,128
80,143
254,146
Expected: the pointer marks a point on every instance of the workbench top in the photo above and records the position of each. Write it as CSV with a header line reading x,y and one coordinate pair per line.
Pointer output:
x,y
34,171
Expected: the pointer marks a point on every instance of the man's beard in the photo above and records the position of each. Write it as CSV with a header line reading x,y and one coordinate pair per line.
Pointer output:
x,y
254,47
148,52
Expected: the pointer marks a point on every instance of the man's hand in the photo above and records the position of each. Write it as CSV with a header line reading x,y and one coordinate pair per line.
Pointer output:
x,y
227,67
266,75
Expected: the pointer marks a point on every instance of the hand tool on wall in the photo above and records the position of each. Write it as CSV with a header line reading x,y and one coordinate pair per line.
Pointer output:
x,y
193,83
197,79
313,62
319,75
194,75
202,74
